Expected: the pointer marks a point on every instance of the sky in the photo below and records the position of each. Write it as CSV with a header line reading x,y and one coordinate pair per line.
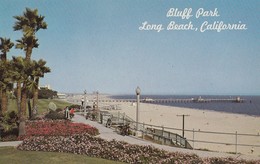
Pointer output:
x,y
98,45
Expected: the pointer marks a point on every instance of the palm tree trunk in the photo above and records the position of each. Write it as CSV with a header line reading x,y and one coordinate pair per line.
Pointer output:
x,y
35,97
29,108
22,116
23,102
22,126
28,53
19,90
4,101
0,101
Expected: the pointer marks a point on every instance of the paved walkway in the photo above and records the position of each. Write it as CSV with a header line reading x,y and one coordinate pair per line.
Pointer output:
x,y
10,143
109,134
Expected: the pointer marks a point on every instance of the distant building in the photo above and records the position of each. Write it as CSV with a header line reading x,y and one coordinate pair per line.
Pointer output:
x,y
61,95
48,86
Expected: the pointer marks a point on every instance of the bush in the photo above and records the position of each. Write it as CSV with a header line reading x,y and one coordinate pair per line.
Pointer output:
x,y
75,106
59,110
10,137
47,94
54,115
8,126
9,120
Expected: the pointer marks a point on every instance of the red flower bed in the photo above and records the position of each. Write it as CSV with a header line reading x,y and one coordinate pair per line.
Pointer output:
x,y
57,128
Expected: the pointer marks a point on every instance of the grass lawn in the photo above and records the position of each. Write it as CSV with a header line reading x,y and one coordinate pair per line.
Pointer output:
x,y
12,155
42,104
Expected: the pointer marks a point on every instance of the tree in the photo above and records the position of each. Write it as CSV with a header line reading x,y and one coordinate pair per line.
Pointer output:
x,y
23,70
29,23
39,70
5,80
5,84
17,65
5,47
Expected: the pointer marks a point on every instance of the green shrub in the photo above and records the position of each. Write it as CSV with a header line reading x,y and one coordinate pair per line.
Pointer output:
x,y
10,137
47,94
9,121
75,106
9,126
54,115
59,110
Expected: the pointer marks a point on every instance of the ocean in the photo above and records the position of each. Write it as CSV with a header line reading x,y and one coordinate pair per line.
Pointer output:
x,y
251,105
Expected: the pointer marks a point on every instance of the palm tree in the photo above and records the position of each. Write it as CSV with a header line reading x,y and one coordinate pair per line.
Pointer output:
x,y
17,64
25,69
39,70
27,44
30,22
3,70
5,47
5,82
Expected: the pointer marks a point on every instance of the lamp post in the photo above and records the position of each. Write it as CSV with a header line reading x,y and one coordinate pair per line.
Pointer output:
x,y
138,91
98,116
82,105
85,103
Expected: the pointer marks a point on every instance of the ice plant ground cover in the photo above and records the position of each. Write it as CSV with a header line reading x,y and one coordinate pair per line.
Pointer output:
x,y
56,128
92,146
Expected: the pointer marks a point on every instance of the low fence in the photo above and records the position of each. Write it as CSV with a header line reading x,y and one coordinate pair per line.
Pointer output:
x,y
232,140
164,137
229,142
226,142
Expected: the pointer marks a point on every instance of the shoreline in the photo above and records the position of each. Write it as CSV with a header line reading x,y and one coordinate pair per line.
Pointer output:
x,y
199,120
211,110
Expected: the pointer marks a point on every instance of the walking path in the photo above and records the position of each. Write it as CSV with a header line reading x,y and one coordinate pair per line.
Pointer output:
x,y
110,134
10,143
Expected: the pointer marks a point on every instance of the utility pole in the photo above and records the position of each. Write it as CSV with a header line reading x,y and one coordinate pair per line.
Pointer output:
x,y
183,116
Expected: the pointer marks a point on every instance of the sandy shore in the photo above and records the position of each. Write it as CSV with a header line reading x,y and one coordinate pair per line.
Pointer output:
x,y
199,120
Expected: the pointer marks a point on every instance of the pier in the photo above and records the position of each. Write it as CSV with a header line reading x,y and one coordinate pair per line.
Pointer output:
x,y
192,100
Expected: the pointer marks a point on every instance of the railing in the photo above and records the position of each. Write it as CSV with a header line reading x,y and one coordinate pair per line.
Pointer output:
x,y
165,137
229,139
236,136
170,136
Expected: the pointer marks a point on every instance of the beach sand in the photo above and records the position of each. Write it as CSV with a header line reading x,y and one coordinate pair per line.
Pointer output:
x,y
200,120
